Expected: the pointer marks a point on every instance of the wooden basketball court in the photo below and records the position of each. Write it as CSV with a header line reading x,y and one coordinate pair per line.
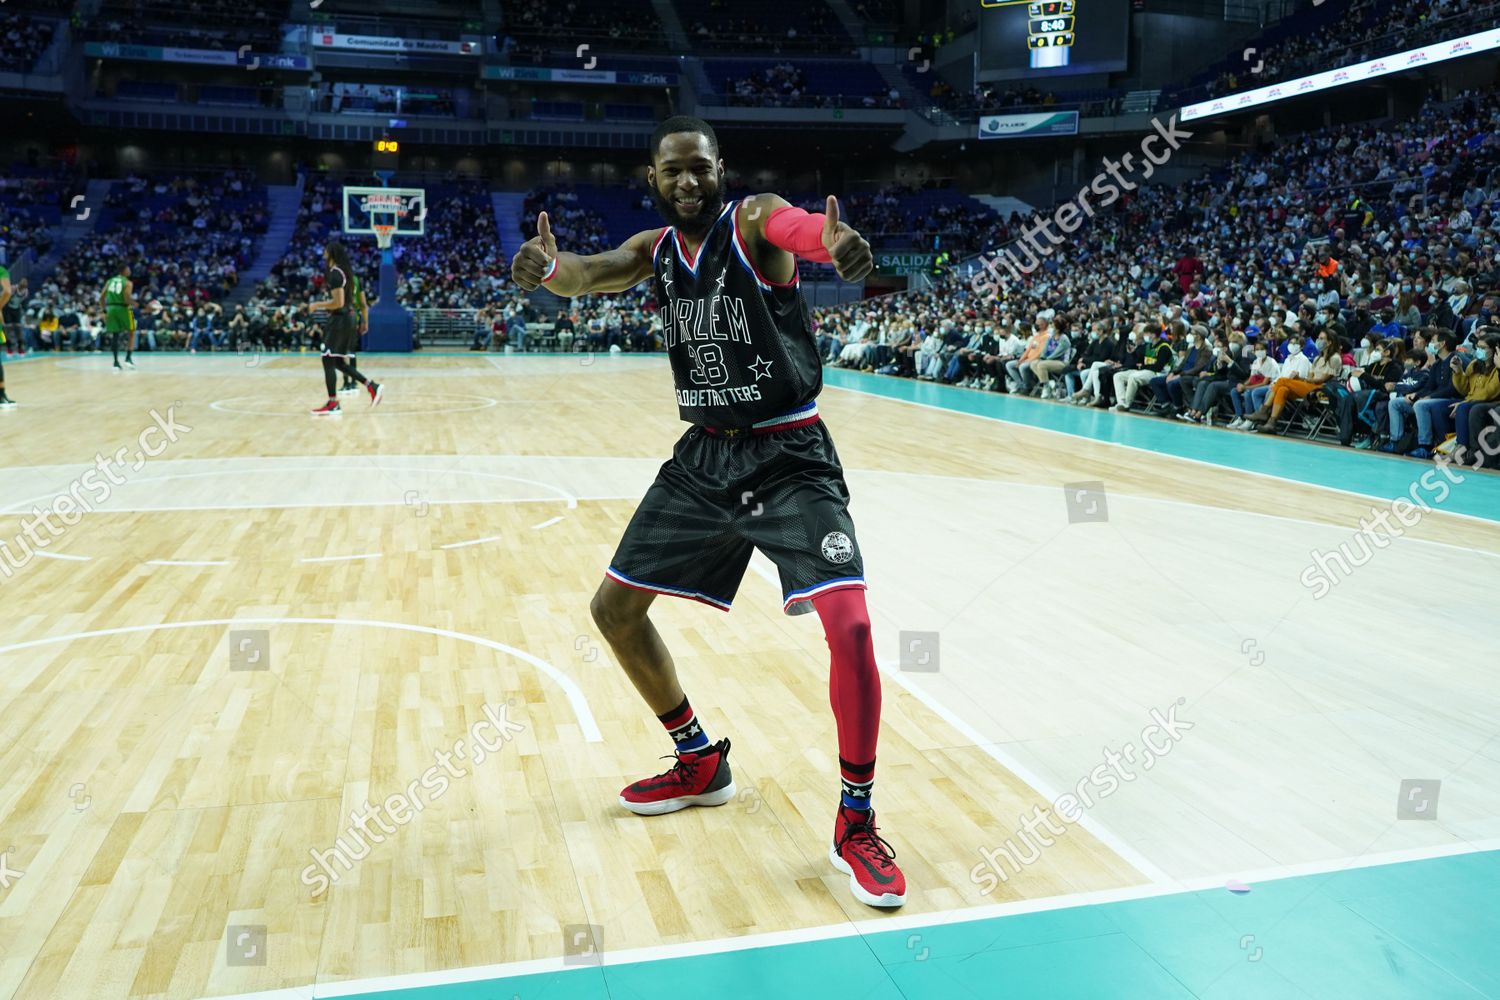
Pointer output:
x,y
277,620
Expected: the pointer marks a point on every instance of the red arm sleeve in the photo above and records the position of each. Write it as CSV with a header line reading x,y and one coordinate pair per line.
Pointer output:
x,y
797,231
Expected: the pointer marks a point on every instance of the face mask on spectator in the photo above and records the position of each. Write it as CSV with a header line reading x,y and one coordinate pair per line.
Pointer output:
x,y
1376,356
1432,348
1481,354
1365,343
1260,354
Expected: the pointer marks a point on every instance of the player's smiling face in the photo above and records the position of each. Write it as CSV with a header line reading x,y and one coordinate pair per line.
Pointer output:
x,y
685,182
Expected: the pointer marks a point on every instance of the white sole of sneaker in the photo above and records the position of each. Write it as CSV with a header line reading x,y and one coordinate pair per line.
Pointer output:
x,y
379,395
888,900
665,806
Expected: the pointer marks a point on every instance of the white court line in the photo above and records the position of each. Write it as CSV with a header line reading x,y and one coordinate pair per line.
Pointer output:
x,y
328,559
1162,454
1043,788
572,501
545,524
580,705
301,414
656,953
187,562
464,545
44,554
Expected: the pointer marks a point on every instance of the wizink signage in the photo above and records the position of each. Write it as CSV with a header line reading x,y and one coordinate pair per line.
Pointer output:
x,y
600,76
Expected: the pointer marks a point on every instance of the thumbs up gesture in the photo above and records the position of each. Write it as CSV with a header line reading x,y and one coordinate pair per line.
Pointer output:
x,y
544,233
532,262
852,257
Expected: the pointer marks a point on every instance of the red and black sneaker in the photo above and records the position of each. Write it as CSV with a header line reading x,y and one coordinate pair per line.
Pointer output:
x,y
377,393
699,778
327,409
862,854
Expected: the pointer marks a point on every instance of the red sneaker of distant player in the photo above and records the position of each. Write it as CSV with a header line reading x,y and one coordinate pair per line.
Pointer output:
x,y
377,393
697,779
328,408
859,852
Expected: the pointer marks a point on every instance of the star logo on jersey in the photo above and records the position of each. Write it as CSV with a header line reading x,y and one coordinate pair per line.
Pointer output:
x,y
722,275
761,368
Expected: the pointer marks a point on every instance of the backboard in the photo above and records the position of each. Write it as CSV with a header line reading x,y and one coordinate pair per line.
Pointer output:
x,y
385,213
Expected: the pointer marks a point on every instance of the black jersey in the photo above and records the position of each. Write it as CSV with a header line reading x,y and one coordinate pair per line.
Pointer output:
x,y
333,278
741,346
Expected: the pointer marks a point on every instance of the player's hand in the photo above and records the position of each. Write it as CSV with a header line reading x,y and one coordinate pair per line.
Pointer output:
x,y
852,257
535,257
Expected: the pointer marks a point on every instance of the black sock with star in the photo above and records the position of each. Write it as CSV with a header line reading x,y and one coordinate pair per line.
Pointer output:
x,y
682,725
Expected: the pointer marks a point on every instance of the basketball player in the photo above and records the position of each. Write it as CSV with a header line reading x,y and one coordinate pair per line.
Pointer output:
x,y
362,309
341,336
118,299
5,293
757,468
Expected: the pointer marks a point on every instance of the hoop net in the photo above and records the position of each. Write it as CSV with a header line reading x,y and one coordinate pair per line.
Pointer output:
x,y
384,233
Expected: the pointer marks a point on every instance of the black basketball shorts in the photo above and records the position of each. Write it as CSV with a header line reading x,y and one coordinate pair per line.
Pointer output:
x,y
719,498
341,336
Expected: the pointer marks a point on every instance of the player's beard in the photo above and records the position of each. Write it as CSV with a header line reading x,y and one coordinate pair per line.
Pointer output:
x,y
698,225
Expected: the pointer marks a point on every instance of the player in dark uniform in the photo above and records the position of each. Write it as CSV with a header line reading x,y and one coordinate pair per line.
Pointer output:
x,y
757,468
362,318
341,336
5,293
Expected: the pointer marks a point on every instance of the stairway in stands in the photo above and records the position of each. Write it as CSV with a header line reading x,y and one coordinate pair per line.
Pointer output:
x,y
282,202
1004,205
508,208
73,229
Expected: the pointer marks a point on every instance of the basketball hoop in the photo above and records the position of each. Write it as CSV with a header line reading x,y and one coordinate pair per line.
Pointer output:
x,y
384,233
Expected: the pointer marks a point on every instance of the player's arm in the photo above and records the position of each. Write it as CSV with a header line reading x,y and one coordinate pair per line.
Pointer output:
x,y
129,295
778,232
334,301
568,274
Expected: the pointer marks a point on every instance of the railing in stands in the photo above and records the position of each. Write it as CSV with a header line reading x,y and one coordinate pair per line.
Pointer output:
x,y
435,326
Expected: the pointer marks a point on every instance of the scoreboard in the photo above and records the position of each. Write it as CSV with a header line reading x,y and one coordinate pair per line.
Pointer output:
x,y
1050,29
1049,32
1054,36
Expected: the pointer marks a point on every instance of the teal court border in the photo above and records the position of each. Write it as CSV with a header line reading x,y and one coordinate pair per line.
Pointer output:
x,y
1416,930
1412,930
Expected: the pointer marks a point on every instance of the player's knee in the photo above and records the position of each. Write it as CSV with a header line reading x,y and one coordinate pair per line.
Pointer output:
x,y
614,611
851,635
846,621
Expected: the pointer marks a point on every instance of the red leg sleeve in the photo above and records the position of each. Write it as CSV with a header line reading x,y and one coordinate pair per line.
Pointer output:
x,y
854,680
